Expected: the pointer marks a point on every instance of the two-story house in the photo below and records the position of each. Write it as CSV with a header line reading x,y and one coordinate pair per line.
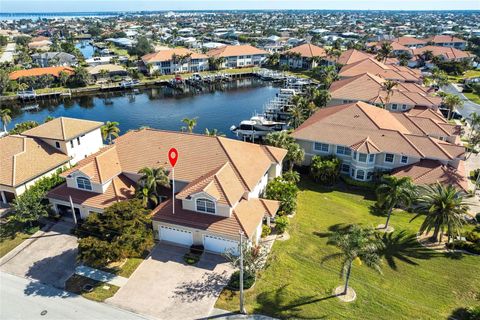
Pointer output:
x,y
177,60
369,88
305,56
447,41
389,72
239,56
369,139
218,185
443,53
41,151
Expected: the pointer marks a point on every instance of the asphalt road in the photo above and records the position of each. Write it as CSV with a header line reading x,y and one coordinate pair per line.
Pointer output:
x,y
25,299
468,106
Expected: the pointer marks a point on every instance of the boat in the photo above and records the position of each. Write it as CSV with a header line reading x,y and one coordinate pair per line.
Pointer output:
x,y
257,127
27,94
129,83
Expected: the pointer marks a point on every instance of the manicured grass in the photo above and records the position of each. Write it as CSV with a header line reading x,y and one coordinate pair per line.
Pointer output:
x,y
12,234
467,75
129,267
7,244
472,97
417,283
101,291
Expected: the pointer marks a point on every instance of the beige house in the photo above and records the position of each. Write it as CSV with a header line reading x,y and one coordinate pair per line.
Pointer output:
x,y
239,56
177,60
218,185
389,72
369,139
305,56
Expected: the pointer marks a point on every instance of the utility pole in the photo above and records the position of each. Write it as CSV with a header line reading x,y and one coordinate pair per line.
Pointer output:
x,y
242,306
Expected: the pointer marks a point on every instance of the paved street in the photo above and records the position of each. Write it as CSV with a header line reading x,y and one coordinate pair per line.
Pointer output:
x,y
165,287
468,106
48,257
24,299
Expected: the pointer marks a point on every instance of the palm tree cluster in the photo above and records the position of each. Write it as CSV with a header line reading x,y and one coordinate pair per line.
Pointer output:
x,y
303,106
281,139
5,117
150,184
384,52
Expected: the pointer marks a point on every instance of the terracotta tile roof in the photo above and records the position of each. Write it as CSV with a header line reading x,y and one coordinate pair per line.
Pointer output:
x,y
428,172
446,52
350,124
23,159
234,51
308,50
365,146
396,46
121,188
352,56
35,72
63,128
166,55
249,214
406,41
390,72
443,39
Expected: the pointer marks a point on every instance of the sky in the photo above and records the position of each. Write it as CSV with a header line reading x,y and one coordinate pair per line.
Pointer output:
x,y
38,6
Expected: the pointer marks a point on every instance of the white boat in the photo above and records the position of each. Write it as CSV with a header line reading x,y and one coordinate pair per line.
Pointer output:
x,y
129,83
257,127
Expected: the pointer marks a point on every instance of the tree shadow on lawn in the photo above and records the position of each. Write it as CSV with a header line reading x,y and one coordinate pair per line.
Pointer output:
x,y
278,304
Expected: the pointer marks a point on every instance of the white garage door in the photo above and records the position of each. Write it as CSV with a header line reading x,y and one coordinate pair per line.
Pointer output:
x,y
175,235
220,245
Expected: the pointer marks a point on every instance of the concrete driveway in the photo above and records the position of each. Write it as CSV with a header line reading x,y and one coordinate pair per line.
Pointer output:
x,y
165,287
48,257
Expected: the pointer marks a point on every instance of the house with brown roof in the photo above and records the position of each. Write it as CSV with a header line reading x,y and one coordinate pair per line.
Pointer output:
x,y
447,41
239,56
305,56
41,151
397,48
37,72
370,140
369,88
218,185
352,55
388,72
410,42
177,60
444,53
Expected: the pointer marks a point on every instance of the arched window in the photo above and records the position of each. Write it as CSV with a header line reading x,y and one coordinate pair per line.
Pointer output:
x,y
84,183
205,205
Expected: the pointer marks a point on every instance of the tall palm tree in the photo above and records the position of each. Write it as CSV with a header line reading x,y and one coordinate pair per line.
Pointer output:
x,y
357,244
152,180
109,130
452,101
190,123
296,115
148,198
384,51
388,87
6,118
394,191
444,208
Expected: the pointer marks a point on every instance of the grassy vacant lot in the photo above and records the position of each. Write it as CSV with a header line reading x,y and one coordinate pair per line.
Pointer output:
x,y
101,291
417,283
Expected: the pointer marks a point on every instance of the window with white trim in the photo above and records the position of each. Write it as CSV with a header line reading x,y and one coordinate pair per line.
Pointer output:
x,y
369,175
84,183
344,150
360,175
71,143
345,168
371,158
404,107
389,158
205,205
394,106
362,157
322,147
404,159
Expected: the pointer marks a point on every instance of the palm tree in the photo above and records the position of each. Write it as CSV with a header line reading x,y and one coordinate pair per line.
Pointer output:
x,y
388,87
213,133
357,244
6,118
147,197
452,101
296,115
191,123
384,51
48,119
109,130
394,191
152,180
444,208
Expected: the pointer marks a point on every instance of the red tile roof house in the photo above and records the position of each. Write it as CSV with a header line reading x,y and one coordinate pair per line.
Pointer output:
x,y
218,184
239,56
447,41
164,61
303,56
36,72
369,88
368,139
444,53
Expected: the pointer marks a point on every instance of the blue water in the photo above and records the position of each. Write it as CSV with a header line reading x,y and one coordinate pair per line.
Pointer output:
x,y
87,50
161,108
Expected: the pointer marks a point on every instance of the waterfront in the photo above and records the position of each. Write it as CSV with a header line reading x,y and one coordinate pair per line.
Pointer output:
x,y
161,107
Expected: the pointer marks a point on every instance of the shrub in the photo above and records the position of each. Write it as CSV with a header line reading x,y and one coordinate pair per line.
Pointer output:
x,y
281,224
463,245
325,170
266,230
284,191
248,280
361,184
473,236
190,258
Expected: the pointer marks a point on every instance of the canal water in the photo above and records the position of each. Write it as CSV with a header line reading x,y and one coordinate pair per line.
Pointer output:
x,y
86,49
161,107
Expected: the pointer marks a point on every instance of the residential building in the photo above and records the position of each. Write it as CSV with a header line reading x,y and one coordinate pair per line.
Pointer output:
x,y
218,185
447,41
176,60
370,140
397,48
369,88
444,53
389,72
410,42
351,56
41,151
239,56
37,72
47,59
305,56
110,70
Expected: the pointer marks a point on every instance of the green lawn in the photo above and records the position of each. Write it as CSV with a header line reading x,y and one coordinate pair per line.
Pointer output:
x,y
417,283
467,75
8,243
129,267
12,234
101,291
472,97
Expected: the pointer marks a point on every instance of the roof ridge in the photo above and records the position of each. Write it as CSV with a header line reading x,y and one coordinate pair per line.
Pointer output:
x,y
237,172
412,144
215,177
440,147
98,168
62,128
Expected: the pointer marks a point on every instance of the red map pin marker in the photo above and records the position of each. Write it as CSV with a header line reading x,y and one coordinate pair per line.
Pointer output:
x,y
173,156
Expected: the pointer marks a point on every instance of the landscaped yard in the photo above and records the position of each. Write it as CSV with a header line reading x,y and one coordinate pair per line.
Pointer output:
x,y
11,235
417,283
100,292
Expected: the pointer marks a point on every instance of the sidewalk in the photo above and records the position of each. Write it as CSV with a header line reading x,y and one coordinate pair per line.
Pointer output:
x,y
100,275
